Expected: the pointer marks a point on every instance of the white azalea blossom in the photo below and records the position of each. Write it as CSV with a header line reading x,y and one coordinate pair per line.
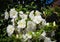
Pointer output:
x,y
33,33
16,18
31,15
21,23
37,13
21,12
37,19
13,13
10,30
31,26
54,23
54,41
27,36
19,30
32,12
47,39
6,15
23,16
43,35
47,24
44,12
13,22
53,33
27,12
43,22
17,36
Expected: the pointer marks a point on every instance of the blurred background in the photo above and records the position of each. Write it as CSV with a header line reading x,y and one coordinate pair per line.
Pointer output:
x,y
40,3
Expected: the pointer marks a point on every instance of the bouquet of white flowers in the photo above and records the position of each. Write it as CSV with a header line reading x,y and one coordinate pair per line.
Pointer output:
x,y
27,26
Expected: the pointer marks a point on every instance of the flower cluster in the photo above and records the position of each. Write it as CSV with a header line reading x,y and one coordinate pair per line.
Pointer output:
x,y
26,25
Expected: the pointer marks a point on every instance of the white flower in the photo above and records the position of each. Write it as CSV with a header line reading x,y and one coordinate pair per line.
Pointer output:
x,y
13,13
27,12
37,19
37,13
21,12
10,30
19,30
31,26
43,35
43,12
31,15
17,36
54,23
23,16
6,15
54,41
33,33
47,39
47,24
27,36
53,33
13,22
43,22
32,12
21,23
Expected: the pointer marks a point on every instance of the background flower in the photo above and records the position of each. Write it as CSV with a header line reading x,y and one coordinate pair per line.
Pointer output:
x,y
13,13
6,15
43,35
21,23
23,16
37,19
10,30
43,22
31,26
47,39
27,36
21,12
31,15
13,22
37,13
